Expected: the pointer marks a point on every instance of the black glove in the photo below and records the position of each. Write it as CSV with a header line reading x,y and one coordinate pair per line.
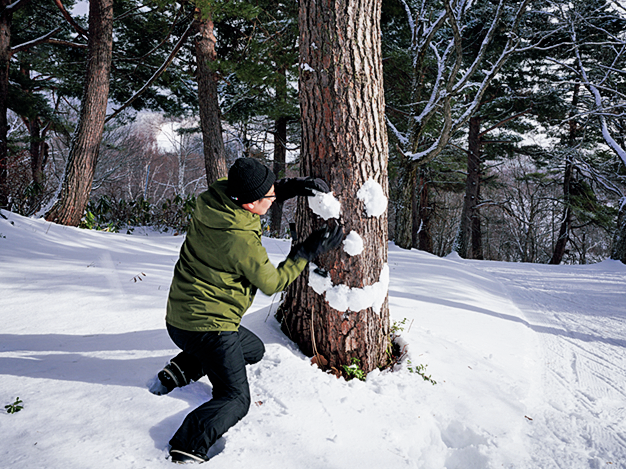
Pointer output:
x,y
292,187
318,242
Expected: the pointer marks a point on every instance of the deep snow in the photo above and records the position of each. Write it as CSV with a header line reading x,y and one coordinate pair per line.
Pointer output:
x,y
529,362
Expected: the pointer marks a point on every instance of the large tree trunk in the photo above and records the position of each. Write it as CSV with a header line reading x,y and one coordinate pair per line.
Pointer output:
x,y
280,152
5,40
85,146
210,115
469,215
344,141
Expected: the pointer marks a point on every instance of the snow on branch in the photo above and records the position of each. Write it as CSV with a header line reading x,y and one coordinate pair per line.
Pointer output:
x,y
599,104
13,7
34,42
451,80
399,135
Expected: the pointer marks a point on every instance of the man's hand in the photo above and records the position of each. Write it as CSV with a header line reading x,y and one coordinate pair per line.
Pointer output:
x,y
318,242
292,187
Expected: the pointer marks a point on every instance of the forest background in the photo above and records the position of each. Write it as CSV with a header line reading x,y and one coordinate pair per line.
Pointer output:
x,y
507,120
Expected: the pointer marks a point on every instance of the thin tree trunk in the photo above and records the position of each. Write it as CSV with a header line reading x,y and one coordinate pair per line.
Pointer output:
x,y
618,252
85,146
566,223
37,147
404,209
423,238
5,40
472,192
476,246
280,164
210,115
280,151
344,141
38,157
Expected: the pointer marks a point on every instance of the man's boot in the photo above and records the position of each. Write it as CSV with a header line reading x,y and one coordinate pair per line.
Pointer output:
x,y
170,377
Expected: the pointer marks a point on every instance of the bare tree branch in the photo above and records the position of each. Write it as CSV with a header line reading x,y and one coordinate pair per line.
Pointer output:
x,y
61,42
78,28
158,73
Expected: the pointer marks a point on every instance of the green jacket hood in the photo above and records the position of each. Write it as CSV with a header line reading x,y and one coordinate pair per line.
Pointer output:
x,y
217,211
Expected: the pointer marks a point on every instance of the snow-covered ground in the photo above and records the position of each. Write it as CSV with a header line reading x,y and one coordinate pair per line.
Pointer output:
x,y
529,361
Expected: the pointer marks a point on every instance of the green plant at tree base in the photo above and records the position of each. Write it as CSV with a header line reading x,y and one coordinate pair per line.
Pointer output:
x,y
396,328
394,352
354,370
15,407
420,370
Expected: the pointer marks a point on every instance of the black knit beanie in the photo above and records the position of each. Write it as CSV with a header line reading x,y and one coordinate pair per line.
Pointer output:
x,y
248,180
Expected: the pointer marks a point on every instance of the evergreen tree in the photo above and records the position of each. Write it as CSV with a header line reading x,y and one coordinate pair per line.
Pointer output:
x,y
344,142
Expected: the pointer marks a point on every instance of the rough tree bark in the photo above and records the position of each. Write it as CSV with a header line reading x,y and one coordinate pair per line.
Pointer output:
x,y
344,141
85,146
210,115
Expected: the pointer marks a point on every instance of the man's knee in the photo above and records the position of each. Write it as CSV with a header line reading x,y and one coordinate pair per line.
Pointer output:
x,y
256,354
252,347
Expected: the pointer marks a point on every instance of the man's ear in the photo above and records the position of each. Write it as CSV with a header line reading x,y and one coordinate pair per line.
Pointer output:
x,y
249,206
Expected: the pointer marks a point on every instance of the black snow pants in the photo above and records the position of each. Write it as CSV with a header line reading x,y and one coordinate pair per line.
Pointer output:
x,y
222,356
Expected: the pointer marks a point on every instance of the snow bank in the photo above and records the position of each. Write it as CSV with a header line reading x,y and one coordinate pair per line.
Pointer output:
x,y
529,362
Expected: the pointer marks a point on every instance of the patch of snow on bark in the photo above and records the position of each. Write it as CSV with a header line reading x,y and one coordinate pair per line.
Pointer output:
x,y
325,205
353,244
372,194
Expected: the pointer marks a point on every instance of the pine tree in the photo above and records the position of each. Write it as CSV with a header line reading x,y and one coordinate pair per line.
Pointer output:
x,y
81,164
344,142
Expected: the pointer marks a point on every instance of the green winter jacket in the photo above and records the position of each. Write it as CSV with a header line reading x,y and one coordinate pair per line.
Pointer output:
x,y
221,265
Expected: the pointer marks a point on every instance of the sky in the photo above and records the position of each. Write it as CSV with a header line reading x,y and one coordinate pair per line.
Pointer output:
x,y
81,8
528,361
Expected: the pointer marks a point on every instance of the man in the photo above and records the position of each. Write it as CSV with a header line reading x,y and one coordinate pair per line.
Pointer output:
x,y
222,264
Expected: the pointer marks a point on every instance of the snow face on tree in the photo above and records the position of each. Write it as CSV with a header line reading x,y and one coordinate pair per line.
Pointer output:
x,y
325,205
373,196
353,244
344,298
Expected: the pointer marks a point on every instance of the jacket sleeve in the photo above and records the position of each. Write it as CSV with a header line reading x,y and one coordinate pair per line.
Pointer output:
x,y
261,273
